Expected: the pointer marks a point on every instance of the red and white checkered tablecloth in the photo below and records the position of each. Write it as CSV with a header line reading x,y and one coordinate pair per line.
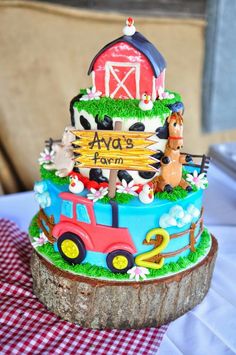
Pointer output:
x,y
26,327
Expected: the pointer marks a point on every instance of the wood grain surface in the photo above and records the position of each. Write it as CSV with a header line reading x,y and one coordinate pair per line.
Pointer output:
x,y
97,303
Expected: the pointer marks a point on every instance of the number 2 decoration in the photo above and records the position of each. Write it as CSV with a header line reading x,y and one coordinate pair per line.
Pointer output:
x,y
142,259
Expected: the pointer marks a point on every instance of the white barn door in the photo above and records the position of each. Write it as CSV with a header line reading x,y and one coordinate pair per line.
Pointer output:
x,y
126,70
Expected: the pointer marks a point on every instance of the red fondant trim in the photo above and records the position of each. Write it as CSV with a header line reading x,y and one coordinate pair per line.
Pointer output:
x,y
171,137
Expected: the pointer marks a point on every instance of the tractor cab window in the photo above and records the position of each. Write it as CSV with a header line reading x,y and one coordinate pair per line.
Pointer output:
x,y
67,209
82,213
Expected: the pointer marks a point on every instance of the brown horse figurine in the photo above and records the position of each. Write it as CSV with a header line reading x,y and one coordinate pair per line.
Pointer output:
x,y
172,160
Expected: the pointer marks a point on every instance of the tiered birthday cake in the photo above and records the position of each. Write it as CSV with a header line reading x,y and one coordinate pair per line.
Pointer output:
x,y
120,203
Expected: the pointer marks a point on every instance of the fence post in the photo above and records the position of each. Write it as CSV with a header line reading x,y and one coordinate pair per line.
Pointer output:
x,y
192,237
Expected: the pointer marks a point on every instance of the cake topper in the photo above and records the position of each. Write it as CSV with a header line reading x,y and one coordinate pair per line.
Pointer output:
x,y
114,150
146,103
129,29
76,185
146,196
63,160
173,160
128,66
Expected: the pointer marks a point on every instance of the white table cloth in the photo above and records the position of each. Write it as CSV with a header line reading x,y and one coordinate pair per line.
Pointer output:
x,y
209,328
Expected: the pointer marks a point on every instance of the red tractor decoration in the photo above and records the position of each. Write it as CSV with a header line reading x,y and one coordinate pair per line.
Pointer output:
x,y
78,232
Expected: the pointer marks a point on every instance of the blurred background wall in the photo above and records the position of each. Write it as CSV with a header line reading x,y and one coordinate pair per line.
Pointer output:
x,y
45,53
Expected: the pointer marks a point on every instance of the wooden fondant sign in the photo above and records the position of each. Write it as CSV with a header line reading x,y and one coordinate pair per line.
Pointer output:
x,y
114,150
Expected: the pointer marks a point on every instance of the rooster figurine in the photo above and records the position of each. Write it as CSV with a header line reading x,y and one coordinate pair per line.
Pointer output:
x,y
129,29
146,195
146,103
76,186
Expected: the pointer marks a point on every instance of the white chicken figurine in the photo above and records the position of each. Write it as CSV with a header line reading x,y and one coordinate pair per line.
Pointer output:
x,y
146,195
129,29
76,186
146,103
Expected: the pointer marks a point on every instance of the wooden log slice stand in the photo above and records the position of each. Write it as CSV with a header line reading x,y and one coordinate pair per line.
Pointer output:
x,y
95,303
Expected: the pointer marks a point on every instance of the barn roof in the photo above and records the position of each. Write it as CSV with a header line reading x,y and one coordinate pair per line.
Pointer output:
x,y
139,42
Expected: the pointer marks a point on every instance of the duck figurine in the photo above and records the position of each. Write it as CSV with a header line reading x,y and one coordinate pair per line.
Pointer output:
x,y
146,103
129,29
147,194
76,186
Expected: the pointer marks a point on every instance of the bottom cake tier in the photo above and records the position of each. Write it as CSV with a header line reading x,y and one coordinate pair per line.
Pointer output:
x,y
122,238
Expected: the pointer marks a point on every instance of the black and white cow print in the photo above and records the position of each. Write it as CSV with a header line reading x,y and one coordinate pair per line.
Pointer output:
x,y
86,121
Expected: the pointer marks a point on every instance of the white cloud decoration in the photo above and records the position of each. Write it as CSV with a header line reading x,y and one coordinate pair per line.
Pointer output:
x,y
178,217
41,194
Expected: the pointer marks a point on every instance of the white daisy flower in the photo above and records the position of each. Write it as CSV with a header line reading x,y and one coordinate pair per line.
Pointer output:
x,y
138,272
92,94
96,195
40,241
199,181
127,188
164,94
46,157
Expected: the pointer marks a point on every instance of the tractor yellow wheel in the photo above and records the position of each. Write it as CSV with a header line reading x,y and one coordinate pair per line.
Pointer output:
x,y
120,262
70,249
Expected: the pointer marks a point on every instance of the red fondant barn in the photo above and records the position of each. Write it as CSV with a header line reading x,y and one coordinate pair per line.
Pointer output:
x,y
127,67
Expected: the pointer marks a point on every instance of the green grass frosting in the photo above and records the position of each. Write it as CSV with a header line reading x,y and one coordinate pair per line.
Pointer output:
x,y
95,271
126,109
50,175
